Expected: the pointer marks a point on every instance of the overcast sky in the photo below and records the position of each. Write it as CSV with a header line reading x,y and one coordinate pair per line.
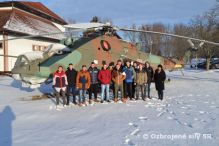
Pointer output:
x,y
127,12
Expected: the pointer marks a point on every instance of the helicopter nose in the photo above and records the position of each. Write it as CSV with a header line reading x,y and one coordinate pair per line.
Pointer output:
x,y
21,65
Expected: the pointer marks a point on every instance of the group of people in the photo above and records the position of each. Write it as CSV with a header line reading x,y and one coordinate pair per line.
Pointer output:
x,y
132,80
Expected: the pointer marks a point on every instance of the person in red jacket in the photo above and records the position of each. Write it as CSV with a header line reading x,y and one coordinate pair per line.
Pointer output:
x,y
60,83
104,77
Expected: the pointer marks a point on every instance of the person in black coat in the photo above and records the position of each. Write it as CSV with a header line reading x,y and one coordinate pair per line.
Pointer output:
x,y
159,78
71,74
150,74
93,70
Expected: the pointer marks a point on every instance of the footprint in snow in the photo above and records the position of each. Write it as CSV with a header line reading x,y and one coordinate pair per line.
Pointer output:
x,y
203,121
159,109
183,107
128,142
133,124
135,132
160,114
188,124
170,118
202,112
196,119
146,105
143,118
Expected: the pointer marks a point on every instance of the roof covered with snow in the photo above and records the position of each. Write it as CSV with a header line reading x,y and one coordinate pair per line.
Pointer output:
x,y
19,21
35,8
4,16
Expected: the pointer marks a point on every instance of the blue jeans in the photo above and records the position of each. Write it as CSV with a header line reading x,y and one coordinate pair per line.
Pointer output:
x,y
103,89
73,91
81,95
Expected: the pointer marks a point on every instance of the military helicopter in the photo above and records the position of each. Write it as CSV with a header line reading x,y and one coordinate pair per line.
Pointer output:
x,y
99,42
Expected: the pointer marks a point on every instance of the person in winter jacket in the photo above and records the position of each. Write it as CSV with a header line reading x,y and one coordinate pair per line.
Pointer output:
x,y
140,81
111,67
130,73
159,78
104,77
60,83
71,74
150,74
83,82
118,77
93,70
135,67
120,63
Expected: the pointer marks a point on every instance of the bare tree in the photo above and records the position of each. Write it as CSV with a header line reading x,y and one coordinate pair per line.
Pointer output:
x,y
132,36
205,26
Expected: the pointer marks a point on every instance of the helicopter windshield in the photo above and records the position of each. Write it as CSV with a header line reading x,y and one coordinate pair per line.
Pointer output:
x,y
21,61
57,49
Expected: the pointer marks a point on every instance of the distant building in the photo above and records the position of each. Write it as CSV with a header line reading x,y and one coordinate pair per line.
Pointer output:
x,y
19,19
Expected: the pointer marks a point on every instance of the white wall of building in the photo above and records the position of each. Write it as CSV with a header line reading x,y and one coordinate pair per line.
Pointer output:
x,y
18,47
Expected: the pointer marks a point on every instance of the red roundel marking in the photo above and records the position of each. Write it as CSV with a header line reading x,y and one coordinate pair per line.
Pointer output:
x,y
105,45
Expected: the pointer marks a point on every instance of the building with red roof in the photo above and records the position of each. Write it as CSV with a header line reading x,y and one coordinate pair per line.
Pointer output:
x,y
23,18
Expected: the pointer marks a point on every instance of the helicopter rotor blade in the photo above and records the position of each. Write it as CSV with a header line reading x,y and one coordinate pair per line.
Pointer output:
x,y
169,34
39,35
8,56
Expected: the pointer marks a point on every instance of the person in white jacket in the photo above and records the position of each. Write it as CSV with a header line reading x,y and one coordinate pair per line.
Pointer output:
x,y
60,83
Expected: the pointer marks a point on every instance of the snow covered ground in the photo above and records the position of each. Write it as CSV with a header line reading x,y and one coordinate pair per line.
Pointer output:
x,y
188,116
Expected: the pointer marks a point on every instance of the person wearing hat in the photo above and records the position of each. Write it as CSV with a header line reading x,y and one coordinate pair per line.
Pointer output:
x,y
60,83
150,73
104,77
93,70
83,82
71,74
159,78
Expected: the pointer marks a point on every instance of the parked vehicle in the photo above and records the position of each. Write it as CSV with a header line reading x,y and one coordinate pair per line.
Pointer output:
x,y
194,62
214,64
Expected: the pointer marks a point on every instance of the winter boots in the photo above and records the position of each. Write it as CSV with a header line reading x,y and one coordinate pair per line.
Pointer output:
x,y
115,99
124,100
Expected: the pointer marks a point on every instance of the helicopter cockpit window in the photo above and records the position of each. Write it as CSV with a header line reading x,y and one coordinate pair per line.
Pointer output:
x,y
24,61
61,52
57,50
21,61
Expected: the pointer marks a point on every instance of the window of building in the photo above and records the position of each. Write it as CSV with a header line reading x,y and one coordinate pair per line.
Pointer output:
x,y
38,47
1,45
